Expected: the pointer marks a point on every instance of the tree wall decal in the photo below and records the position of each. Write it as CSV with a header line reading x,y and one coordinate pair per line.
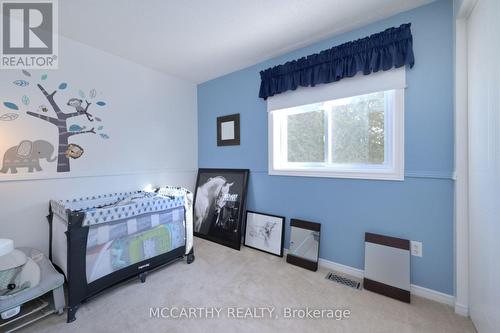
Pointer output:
x,y
62,120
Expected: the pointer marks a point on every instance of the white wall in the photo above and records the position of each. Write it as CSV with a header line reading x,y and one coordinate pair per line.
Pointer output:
x,y
151,119
484,164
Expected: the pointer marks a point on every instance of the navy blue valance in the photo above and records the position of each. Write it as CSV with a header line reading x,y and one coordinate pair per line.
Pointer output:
x,y
381,51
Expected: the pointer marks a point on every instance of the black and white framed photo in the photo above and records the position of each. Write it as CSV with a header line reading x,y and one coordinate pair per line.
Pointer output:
x,y
219,204
265,232
228,130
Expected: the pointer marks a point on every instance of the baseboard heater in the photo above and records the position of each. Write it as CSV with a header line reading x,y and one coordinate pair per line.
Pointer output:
x,y
387,266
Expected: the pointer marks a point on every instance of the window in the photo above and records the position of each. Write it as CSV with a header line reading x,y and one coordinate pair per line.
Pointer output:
x,y
360,136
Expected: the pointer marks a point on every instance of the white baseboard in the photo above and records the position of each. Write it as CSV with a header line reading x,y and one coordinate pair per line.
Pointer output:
x,y
430,294
433,295
355,272
462,310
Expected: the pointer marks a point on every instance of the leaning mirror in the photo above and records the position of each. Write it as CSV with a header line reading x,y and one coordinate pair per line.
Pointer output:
x,y
304,244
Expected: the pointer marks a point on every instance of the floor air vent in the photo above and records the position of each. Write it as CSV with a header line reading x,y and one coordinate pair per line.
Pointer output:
x,y
343,280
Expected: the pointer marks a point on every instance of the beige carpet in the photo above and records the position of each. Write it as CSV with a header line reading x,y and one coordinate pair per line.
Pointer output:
x,y
224,278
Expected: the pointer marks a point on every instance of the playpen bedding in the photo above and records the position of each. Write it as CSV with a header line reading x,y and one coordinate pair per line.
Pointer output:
x,y
111,207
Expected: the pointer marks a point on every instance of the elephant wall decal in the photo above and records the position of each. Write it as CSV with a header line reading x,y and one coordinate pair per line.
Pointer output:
x,y
27,154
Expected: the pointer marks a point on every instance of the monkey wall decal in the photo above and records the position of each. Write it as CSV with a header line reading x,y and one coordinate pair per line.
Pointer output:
x,y
77,104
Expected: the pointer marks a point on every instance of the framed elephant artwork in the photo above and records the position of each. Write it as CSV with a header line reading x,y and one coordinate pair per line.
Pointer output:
x,y
219,205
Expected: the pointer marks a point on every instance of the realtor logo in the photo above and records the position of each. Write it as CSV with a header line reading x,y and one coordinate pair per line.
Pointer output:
x,y
29,34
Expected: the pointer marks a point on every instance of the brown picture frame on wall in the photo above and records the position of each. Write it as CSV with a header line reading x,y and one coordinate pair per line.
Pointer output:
x,y
228,130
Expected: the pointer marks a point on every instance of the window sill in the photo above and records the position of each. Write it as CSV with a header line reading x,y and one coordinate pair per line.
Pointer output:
x,y
381,175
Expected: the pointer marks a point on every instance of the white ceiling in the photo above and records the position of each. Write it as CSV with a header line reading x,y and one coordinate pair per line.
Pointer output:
x,y
202,39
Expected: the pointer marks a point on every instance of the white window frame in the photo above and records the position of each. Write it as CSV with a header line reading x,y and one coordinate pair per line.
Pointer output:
x,y
393,80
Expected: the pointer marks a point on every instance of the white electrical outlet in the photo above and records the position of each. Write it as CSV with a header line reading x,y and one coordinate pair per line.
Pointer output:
x,y
416,248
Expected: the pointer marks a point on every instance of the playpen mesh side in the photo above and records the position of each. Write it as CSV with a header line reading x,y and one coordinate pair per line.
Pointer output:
x,y
116,245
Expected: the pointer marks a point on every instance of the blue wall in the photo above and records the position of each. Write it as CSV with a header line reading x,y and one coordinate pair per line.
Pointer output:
x,y
419,208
